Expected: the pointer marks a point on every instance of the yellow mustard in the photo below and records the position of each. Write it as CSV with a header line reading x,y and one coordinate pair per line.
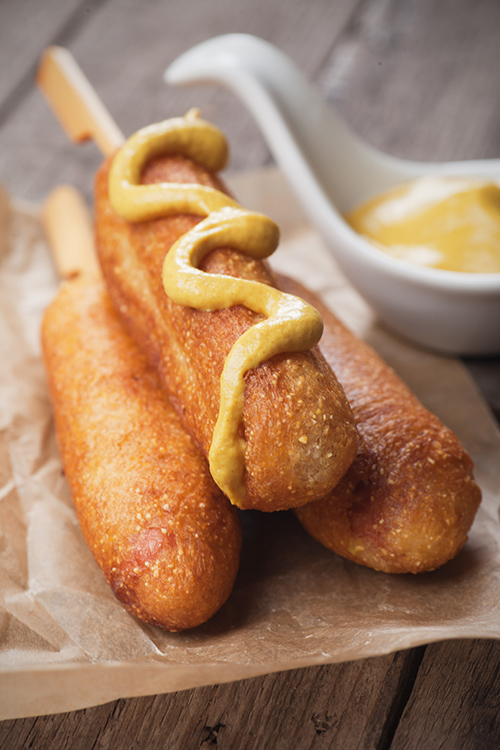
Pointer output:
x,y
441,222
290,324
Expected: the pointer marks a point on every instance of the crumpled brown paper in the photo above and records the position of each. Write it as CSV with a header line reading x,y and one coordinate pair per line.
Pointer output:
x,y
66,643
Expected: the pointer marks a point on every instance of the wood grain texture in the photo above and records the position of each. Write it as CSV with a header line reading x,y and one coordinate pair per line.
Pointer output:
x,y
351,705
454,704
416,78
33,23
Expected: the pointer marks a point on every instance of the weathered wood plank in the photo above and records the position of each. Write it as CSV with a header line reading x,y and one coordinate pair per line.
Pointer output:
x,y
417,80
347,705
455,702
25,29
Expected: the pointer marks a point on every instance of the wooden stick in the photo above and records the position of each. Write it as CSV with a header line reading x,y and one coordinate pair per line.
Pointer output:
x,y
68,227
75,103
5,221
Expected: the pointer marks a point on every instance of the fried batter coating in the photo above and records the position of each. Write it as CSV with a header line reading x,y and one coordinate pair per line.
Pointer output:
x,y
165,537
298,427
409,499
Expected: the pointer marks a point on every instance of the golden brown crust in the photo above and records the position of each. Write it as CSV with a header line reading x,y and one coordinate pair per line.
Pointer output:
x,y
165,537
409,499
298,427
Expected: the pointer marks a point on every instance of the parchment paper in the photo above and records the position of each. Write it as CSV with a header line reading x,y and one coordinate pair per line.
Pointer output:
x,y
66,643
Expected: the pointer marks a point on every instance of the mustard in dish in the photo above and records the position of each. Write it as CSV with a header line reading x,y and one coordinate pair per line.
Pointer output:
x,y
440,222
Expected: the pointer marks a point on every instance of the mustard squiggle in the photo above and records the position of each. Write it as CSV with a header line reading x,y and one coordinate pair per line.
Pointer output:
x,y
291,324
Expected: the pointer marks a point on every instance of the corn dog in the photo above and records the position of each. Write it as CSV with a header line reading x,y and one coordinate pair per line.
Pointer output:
x,y
407,502
165,537
409,498
273,421
297,428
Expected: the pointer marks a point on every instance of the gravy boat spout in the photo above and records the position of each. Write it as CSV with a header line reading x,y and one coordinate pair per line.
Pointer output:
x,y
331,171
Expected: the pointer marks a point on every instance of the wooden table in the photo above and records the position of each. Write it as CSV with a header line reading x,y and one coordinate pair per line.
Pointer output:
x,y
417,79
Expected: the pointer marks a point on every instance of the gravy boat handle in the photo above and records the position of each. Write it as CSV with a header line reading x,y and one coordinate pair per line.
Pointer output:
x,y
329,168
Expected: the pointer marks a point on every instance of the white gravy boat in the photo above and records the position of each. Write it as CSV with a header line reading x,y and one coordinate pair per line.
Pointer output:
x,y
331,171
